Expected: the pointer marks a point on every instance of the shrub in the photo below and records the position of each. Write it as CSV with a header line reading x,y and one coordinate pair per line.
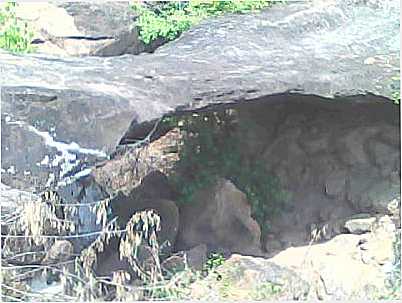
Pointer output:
x,y
169,19
15,35
211,149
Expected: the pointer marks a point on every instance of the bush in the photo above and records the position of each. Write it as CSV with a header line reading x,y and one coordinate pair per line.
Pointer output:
x,y
169,19
15,35
212,149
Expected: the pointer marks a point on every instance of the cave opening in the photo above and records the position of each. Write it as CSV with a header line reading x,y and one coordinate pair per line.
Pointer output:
x,y
305,164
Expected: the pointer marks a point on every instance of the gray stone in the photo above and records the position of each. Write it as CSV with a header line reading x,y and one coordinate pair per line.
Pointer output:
x,y
378,248
194,258
360,225
335,185
87,192
352,145
155,185
197,256
360,180
338,268
110,96
273,245
391,135
385,156
316,145
378,196
252,278
72,112
173,264
61,251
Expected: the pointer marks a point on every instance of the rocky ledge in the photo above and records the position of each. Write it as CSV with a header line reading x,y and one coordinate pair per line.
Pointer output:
x,y
309,86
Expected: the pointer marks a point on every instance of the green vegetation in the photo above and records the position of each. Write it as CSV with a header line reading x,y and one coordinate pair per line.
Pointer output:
x,y
395,275
393,290
168,19
212,149
15,35
265,291
214,261
396,85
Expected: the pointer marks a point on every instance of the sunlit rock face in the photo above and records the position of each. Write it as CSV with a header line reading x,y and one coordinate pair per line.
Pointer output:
x,y
60,115
84,28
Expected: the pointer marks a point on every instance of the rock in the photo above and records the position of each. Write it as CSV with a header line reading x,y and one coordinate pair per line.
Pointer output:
x,y
197,256
385,156
273,245
125,206
61,251
173,264
378,196
108,261
59,257
394,210
286,158
369,192
87,192
391,135
251,278
42,95
353,143
194,258
82,29
360,225
378,248
106,265
220,217
346,267
335,185
127,171
316,145
156,185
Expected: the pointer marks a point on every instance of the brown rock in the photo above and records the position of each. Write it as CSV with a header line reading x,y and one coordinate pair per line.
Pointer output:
x,y
221,218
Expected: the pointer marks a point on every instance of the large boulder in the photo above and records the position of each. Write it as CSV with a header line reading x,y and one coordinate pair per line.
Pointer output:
x,y
219,217
84,28
347,267
250,278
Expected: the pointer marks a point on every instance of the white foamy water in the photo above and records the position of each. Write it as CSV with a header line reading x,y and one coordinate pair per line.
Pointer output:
x,y
66,158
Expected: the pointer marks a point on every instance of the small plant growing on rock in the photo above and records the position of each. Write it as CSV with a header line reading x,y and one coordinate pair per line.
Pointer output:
x,y
266,291
214,261
168,19
396,85
211,149
15,35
